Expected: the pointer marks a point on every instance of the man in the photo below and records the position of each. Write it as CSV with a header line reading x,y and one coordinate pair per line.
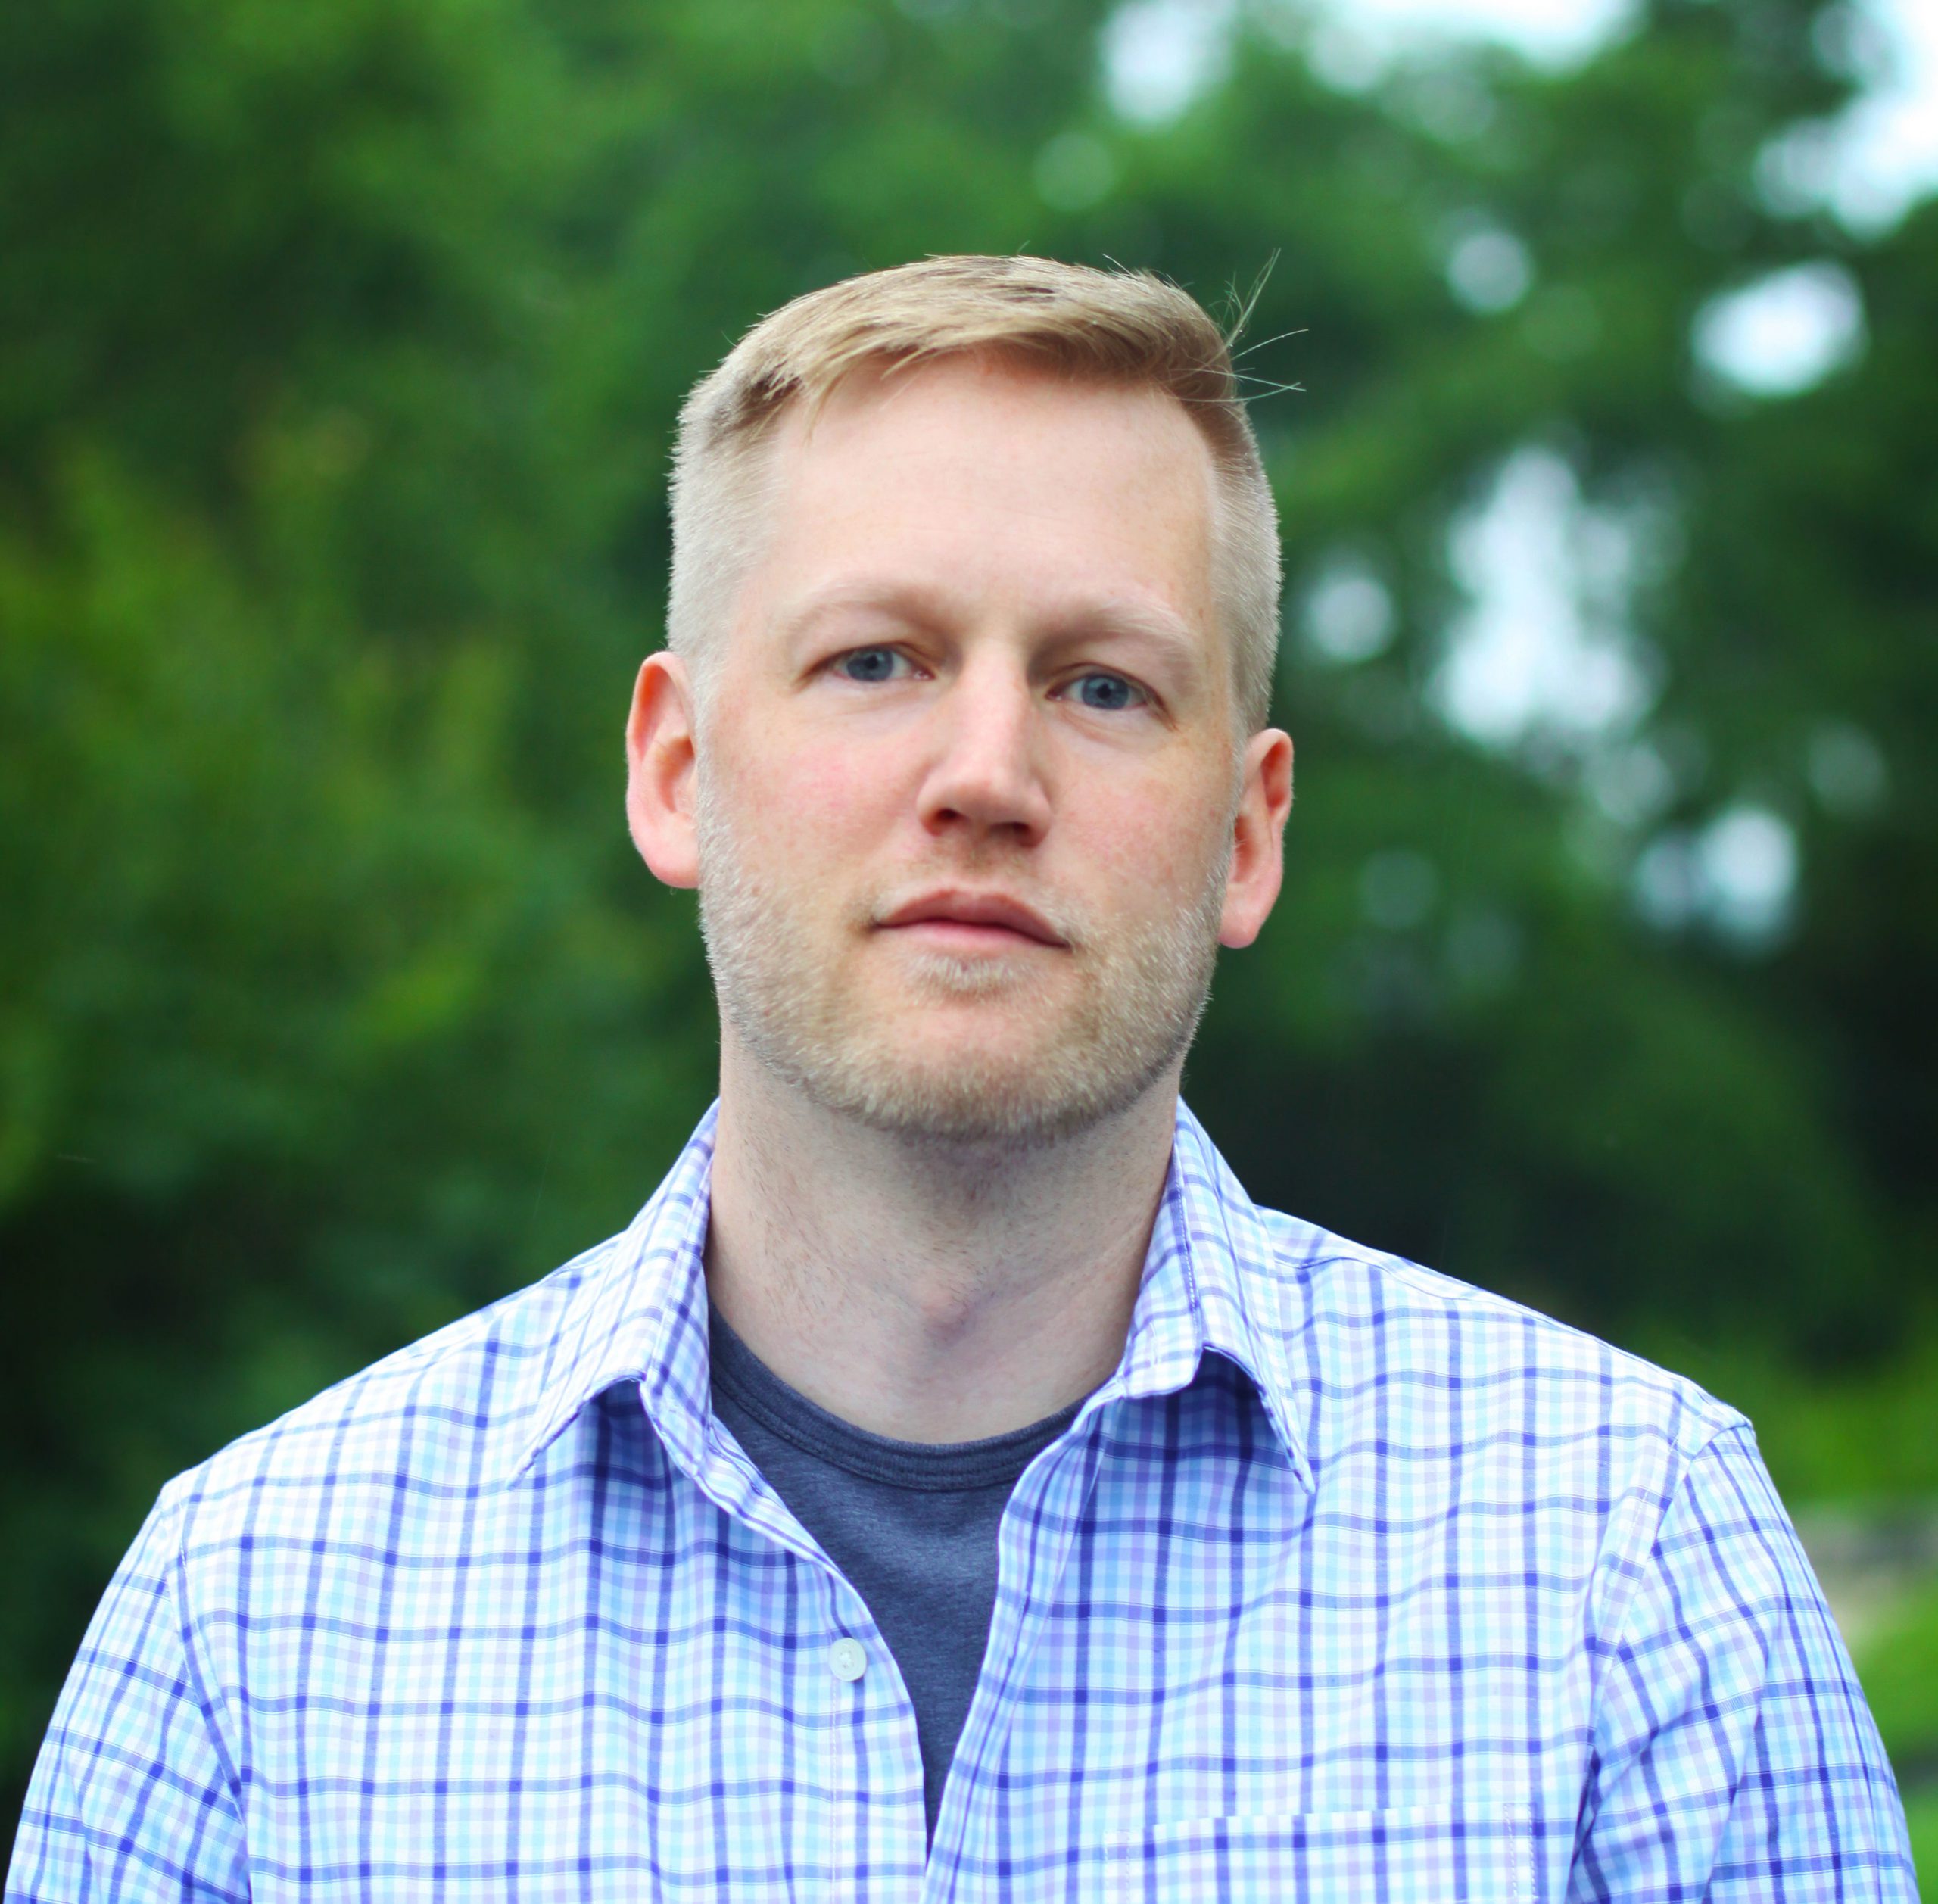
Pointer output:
x,y
952,1485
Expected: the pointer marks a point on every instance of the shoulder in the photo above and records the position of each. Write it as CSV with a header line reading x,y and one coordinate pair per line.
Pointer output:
x,y
1378,1351
429,1421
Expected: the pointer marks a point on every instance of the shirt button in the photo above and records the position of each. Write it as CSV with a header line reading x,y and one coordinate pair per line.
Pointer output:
x,y
847,1660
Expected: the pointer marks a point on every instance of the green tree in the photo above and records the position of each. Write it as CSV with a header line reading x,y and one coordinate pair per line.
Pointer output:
x,y
339,351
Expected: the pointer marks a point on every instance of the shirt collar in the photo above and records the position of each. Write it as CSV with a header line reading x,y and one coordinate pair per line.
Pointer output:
x,y
1213,1279
637,1314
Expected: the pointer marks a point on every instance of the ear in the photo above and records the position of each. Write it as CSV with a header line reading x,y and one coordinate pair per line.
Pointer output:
x,y
1258,833
660,765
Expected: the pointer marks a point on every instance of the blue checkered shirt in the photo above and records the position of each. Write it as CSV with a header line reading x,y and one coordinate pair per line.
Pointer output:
x,y
1351,1582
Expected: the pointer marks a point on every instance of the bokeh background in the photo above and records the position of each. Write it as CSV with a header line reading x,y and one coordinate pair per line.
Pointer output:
x,y
1593,353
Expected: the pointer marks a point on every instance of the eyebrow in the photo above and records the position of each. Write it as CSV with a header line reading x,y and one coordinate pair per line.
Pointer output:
x,y
909,601
929,608
1144,620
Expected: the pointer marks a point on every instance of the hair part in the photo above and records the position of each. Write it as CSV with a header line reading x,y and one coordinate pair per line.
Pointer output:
x,y
1128,327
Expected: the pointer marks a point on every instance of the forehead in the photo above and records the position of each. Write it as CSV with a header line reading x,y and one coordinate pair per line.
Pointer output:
x,y
996,479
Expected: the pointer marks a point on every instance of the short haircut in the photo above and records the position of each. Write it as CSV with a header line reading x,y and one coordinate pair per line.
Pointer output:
x,y
1127,328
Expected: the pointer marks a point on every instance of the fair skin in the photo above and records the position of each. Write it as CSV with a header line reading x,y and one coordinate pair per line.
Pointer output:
x,y
972,714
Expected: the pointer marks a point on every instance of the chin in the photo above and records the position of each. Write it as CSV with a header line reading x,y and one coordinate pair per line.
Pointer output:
x,y
971,1054
1023,1090
937,979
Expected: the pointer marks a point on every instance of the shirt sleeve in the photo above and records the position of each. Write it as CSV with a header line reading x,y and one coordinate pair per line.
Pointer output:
x,y
133,1798
1733,1756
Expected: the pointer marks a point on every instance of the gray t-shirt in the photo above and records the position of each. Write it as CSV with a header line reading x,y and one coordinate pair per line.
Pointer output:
x,y
912,1526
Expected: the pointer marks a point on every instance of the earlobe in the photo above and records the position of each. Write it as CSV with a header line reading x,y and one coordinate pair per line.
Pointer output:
x,y
1258,832
661,762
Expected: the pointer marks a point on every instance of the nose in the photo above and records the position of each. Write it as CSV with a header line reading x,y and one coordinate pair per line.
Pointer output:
x,y
985,780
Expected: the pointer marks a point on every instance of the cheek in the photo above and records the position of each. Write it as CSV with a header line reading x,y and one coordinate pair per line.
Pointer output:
x,y
1158,848
801,804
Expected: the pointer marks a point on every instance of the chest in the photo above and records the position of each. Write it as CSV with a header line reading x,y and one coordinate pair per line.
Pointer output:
x,y
1200,1679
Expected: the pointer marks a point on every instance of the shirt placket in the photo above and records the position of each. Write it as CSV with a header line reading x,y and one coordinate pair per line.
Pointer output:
x,y
876,1841
1038,1531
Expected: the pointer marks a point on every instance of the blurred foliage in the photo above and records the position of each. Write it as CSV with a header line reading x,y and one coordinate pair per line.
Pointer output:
x,y
339,348
1921,1812
1859,1431
1899,1668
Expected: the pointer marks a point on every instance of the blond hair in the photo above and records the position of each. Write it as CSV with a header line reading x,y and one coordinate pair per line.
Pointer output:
x,y
1120,327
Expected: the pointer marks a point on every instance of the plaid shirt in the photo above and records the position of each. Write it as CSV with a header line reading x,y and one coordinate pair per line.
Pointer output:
x,y
1352,1582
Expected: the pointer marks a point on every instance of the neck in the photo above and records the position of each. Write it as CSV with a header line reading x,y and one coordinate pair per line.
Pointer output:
x,y
932,1293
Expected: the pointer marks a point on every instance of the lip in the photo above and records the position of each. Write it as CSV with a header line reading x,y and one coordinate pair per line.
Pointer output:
x,y
991,916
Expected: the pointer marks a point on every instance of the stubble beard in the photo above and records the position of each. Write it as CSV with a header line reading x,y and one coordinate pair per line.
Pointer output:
x,y
1141,995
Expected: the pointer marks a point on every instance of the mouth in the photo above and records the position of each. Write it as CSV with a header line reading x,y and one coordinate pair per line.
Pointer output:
x,y
962,922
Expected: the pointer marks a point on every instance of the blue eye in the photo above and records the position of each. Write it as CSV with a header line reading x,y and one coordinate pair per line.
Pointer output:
x,y
1109,693
870,664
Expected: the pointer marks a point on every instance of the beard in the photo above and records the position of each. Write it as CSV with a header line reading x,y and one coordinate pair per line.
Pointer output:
x,y
804,1015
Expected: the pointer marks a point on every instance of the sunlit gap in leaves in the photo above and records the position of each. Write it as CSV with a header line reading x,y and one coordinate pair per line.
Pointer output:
x,y
1545,664
1544,652
1159,55
1868,164
1354,43
1737,875
1783,335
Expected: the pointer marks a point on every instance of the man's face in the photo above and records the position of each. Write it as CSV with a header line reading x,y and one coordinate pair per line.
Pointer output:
x,y
967,763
